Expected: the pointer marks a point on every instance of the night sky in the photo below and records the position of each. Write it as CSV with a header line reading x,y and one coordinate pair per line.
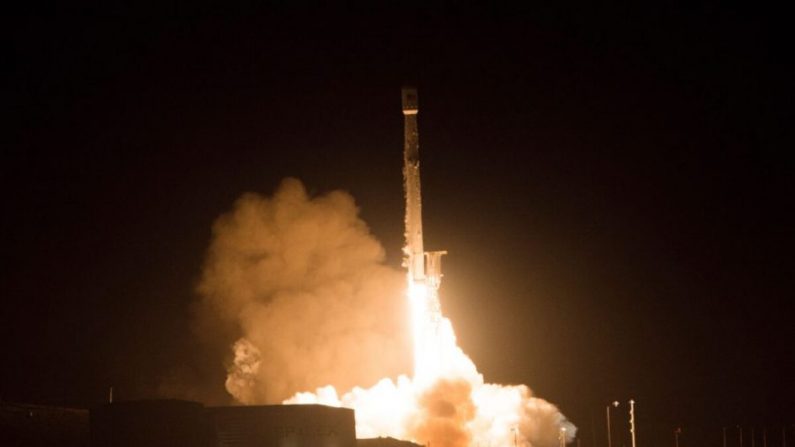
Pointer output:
x,y
612,185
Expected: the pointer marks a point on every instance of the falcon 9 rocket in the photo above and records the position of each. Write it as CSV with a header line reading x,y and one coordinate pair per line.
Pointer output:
x,y
424,268
413,250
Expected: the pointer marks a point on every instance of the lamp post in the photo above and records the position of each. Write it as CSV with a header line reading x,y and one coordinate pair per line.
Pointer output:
x,y
632,420
562,436
607,410
677,432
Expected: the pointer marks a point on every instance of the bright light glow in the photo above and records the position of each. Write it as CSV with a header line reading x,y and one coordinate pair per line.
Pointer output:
x,y
445,377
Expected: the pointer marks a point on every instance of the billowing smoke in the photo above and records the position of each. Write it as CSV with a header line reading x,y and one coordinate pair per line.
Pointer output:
x,y
296,286
462,412
443,413
301,283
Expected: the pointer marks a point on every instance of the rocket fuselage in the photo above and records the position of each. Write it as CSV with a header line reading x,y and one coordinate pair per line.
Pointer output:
x,y
424,268
414,252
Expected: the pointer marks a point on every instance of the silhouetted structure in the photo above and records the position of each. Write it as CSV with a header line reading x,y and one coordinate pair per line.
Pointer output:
x,y
156,423
384,442
161,423
283,426
24,425
150,423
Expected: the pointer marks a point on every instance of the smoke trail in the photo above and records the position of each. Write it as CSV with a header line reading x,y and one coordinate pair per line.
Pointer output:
x,y
301,282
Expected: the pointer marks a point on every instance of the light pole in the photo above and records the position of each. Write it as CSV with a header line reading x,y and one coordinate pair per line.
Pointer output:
x,y
741,435
632,420
607,410
677,432
562,436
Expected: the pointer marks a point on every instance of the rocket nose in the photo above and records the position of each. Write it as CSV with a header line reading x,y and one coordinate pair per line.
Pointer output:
x,y
410,103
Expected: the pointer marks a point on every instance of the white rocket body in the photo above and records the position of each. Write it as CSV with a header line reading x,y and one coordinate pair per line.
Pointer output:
x,y
424,268
414,253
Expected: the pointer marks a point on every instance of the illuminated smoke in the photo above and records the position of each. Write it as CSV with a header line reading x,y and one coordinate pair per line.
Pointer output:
x,y
301,283
443,412
454,409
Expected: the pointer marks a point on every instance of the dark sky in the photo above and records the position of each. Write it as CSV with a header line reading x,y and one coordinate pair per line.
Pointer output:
x,y
612,185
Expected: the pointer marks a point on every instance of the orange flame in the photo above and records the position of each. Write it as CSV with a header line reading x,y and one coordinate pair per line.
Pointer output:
x,y
446,403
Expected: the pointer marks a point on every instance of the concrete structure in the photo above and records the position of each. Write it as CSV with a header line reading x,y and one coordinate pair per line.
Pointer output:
x,y
384,442
156,423
283,426
150,423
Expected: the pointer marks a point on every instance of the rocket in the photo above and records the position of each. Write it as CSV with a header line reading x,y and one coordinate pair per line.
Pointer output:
x,y
415,258
424,268
413,250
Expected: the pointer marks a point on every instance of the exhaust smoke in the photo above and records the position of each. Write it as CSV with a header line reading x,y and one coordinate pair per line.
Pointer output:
x,y
301,284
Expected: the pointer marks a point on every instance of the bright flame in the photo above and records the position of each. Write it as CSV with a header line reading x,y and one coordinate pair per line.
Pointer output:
x,y
447,402
436,353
